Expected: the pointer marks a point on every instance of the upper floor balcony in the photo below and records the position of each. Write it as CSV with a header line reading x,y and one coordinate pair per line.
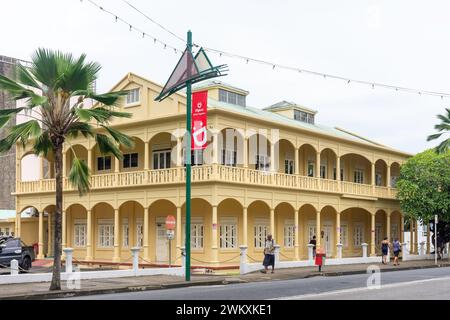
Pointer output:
x,y
237,159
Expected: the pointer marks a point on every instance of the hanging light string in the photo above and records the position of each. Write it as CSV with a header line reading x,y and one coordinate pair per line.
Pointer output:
x,y
133,28
273,65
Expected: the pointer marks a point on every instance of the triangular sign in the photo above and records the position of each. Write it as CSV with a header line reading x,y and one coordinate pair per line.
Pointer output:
x,y
185,70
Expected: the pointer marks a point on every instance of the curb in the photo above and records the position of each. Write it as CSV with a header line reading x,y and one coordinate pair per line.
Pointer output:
x,y
223,281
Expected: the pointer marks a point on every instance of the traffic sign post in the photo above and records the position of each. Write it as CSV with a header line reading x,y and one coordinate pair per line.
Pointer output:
x,y
435,237
170,226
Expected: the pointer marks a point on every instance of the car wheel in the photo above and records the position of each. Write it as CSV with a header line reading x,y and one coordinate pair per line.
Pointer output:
x,y
26,263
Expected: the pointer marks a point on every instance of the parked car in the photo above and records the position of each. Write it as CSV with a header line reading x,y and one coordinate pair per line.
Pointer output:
x,y
14,248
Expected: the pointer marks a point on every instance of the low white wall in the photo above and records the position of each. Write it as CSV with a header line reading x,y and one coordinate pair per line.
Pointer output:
x,y
86,275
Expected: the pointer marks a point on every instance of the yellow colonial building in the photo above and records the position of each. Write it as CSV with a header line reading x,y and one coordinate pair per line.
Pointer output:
x,y
265,170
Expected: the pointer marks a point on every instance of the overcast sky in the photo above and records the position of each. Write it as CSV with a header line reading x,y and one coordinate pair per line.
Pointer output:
x,y
404,43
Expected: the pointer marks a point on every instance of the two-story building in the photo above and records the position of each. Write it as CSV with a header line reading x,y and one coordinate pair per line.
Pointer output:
x,y
265,170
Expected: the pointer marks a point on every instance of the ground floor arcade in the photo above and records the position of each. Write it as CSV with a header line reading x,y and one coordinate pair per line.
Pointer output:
x,y
107,230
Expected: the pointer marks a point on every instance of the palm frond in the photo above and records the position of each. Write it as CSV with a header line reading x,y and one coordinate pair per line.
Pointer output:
x,y
45,66
107,145
443,147
109,99
120,137
79,176
100,114
7,114
25,77
434,136
16,90
23,132
43,144
80,127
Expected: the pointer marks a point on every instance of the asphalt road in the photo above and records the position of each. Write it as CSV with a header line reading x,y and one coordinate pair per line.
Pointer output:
x,y
409,284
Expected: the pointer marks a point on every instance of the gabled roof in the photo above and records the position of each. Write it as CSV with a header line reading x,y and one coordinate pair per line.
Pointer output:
x,y
217,83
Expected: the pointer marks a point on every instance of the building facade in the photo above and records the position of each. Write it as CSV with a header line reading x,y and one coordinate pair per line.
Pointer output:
x,y
272,170
7,160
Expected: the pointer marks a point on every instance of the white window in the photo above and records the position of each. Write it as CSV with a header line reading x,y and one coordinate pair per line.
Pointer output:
x,y
323,172
378,179
262,163
139,235
130,160
358,176
358,235
106,235
310,169
260,234
80,234
394,231
311,232
231,97
104,163
196,157
133,96
289,166
228,233
344,235
125,235
197,236
229,157
161,159
289,235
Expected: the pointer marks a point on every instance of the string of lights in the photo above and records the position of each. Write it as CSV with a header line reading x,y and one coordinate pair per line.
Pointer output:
x,y
144,34
273,65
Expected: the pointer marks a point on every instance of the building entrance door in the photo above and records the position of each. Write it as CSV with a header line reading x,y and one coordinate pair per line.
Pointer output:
x,y
328,239
162,244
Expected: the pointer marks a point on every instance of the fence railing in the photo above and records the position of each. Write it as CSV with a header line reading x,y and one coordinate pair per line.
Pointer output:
x,y
206,173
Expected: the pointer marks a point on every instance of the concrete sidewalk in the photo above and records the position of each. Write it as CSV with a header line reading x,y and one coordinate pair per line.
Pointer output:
x,y
129,284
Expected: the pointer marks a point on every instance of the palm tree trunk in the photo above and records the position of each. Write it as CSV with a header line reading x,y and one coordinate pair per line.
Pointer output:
x,y
56,277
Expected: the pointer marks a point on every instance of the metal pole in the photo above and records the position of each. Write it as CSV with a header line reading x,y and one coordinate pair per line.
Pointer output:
x,y
170,253
188,164
435,238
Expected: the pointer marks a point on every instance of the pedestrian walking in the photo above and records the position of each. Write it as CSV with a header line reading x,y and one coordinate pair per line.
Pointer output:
x,y
384,249
269,254
313,242
396,247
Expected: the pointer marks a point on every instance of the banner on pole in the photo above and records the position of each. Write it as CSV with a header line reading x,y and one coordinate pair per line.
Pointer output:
x,y
199,120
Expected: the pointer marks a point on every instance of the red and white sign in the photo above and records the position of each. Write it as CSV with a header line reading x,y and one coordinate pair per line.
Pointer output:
x,y
170,222
199,119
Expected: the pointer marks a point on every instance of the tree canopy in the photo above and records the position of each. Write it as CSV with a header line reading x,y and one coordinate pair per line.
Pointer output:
x,y
424,186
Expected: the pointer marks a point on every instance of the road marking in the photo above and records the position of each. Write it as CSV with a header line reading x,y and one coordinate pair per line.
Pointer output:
x,y
353,290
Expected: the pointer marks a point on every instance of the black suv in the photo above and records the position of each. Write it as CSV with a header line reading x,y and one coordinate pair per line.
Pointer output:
x,y
13,248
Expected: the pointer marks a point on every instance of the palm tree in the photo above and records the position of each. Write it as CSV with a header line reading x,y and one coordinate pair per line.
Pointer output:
x,y
58,113
442,128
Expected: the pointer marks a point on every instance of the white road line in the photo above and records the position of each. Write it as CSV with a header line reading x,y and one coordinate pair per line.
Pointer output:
x,y
352,290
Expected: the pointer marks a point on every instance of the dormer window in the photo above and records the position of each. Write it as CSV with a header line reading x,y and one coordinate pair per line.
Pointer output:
x,y
231,97
304,116
133,96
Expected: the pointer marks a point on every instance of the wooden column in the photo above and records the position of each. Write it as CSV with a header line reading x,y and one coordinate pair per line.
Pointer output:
x,y
146,233
245,227
318,233
116,257
89,241
146,156
272,223
41,235
372,235
318,164
296,240
214,240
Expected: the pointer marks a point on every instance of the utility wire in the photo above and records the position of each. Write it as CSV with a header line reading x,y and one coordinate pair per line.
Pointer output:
x,y
269,63
133,28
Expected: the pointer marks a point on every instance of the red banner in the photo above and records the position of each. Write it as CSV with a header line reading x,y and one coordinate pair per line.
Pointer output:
x,y
199,119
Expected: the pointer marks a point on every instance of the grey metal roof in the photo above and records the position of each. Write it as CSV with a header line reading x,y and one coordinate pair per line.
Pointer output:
x,y
270,116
